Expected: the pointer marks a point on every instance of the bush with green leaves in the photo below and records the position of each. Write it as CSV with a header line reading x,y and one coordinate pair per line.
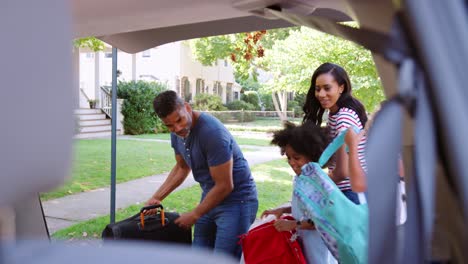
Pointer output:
x,y
234,117
294,106
137,108
240,105
251,97
267,101
208,102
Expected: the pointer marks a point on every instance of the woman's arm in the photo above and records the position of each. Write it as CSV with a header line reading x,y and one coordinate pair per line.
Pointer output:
x,y
357,176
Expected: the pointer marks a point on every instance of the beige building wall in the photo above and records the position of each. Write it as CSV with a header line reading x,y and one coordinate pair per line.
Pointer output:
x,y
172,64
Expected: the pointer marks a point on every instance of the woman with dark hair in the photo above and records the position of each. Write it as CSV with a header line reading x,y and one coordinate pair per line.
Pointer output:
x,y
331,90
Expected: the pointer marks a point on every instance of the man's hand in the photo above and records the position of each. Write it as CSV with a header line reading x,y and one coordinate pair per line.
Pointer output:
x,y
151,201
187,220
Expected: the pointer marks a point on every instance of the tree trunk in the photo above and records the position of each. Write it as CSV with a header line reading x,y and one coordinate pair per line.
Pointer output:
x,y
284,103
278,110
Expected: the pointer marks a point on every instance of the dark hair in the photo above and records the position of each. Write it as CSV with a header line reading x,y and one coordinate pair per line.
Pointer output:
x,y
307,139
166,102
313,110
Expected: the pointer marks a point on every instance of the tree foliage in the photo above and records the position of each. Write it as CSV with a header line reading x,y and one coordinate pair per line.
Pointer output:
x,y
243,49
293,60
92,43
290,56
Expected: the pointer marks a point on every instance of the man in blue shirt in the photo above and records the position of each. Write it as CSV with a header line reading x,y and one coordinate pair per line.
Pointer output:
x,y
204,146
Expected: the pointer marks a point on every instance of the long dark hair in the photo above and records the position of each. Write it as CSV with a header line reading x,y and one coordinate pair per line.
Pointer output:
x,y
312,108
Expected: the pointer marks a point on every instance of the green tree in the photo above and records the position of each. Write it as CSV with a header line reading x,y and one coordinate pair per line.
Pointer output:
x,y
243,49
92,43
292,61
290,56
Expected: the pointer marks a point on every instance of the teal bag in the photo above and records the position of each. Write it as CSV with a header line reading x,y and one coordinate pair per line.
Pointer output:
x,y
342,224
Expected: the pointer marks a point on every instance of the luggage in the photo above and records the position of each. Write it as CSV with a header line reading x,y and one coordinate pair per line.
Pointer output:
x,y
157,227
342,224
264,244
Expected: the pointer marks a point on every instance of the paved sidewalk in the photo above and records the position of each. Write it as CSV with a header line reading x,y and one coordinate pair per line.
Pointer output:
x,y
71,209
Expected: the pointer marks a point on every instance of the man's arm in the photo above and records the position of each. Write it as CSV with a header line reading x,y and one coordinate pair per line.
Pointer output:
x,y
176,177
224,184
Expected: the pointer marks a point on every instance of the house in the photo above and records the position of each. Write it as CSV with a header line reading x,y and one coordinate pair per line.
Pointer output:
x,y
172,64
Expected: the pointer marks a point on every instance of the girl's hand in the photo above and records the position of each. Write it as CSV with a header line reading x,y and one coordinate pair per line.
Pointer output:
x,y
277,212
284,225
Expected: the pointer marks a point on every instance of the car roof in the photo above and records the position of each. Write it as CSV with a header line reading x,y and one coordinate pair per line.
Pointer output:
x,y
136,25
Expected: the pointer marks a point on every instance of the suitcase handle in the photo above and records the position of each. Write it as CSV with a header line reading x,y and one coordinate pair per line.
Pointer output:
x,y
149,207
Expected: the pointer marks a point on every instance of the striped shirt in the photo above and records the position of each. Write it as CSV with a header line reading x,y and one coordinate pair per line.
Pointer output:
x,y
339,121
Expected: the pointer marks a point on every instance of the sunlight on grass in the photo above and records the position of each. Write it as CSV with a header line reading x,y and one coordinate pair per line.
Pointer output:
x,y
241,140
91,164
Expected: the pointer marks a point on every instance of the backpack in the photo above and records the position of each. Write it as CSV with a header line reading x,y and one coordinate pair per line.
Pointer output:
x,y
264,244
342,224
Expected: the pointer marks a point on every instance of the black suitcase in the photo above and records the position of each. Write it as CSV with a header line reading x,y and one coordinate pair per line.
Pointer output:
x,y
157,227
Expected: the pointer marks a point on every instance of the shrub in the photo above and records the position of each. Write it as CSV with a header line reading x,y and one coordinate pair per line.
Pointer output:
x,y
267,102
251,97
137,109
234,117
208,102
294,106
239,105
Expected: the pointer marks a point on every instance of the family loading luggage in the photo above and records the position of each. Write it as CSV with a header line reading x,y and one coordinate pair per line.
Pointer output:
x,y
157,227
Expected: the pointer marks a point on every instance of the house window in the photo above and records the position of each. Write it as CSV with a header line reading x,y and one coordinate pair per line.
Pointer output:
x,y
199,86
217,88
108,55
89,55
146,53
228,93
187,90
236,95
225,63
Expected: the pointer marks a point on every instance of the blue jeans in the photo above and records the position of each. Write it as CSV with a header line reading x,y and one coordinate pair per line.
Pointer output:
x,y
352,196
221,227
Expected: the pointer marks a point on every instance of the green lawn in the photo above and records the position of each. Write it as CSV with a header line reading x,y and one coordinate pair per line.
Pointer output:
x,y
261,124
274,185
91,165
239,140
135,159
